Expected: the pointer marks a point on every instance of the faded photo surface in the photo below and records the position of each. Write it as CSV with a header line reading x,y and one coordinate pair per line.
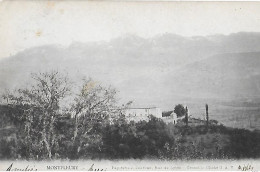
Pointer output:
x,y
100,85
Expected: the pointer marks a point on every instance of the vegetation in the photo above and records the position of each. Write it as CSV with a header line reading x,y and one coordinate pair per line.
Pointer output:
x,y
186,119
207,114
38,126
179,110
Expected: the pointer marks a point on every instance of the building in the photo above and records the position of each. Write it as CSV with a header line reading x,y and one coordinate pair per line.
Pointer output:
x,y
169,117
140,114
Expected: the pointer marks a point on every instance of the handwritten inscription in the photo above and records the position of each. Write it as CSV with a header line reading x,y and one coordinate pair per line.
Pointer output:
x,y
247,167
26,168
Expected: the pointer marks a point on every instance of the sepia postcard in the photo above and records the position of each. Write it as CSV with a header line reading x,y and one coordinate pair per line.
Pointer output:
x,y
129,86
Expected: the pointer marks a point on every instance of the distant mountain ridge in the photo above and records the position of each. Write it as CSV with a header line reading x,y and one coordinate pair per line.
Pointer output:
x,y
235,75
158,71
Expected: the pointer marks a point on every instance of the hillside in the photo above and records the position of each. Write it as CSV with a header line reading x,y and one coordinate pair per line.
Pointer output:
x,y
230,75
153,63
159,71
142,140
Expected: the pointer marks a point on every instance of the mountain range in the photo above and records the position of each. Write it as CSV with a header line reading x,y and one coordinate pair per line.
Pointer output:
x,y
160,71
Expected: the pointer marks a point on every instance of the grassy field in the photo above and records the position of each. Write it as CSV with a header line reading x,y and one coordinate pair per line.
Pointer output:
x,y
231,116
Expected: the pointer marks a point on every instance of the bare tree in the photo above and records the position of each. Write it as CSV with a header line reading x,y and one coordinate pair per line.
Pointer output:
x,y
40,107
95,105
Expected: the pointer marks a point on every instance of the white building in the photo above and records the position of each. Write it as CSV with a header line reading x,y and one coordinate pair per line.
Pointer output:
x,y
142,114
139,114
171,117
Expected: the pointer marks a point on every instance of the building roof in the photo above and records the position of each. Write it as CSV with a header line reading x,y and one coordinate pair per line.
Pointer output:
x,y
168,113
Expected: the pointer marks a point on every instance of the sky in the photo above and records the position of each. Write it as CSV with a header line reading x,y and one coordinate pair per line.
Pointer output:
x,y
26,24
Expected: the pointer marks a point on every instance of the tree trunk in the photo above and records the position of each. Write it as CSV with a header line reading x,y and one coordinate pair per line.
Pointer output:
x,y
76,129
44,138
207,114
48,148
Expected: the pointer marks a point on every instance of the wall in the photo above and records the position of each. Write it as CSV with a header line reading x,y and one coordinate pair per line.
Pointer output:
x,y
138,114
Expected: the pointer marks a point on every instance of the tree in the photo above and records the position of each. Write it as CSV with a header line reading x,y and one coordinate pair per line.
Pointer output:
x,y
207,114
93,107
186,116
39,108
179,110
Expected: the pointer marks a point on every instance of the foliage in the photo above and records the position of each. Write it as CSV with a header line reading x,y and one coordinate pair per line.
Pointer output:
x,y
207,113
36,126
92,108
179,110
186,119
39,108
